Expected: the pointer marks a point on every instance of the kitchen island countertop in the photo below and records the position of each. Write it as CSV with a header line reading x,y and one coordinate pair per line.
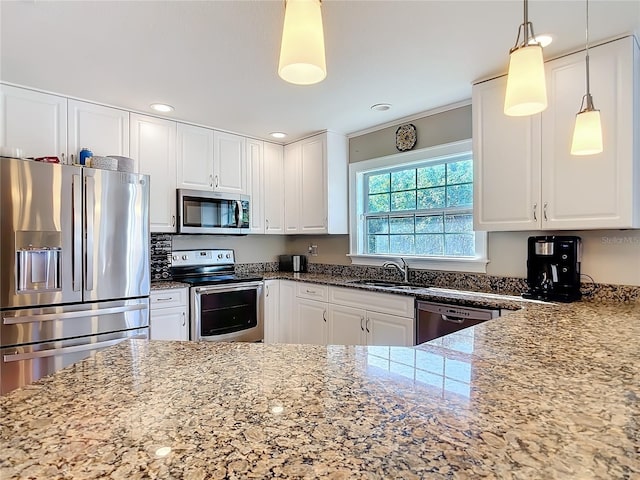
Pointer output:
x,y
550,391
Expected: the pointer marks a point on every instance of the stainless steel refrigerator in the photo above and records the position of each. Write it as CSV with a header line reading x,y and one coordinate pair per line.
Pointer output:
x,y
74,265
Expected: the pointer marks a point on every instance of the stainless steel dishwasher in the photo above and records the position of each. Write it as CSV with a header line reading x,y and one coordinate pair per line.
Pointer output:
x,y
438,319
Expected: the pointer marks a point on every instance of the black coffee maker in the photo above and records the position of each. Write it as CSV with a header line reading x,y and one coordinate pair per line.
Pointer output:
x,y
553,268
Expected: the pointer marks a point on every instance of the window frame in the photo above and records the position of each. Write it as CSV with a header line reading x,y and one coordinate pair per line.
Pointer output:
x,y
357,227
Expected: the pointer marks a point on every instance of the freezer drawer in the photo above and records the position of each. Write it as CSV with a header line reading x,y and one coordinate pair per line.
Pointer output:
x,y
23,365
33,325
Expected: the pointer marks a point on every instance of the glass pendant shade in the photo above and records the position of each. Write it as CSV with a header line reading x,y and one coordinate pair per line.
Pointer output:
x,y
302,59
526,84
587,134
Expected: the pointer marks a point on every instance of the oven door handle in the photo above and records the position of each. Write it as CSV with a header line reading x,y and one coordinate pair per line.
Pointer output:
x,y
228,287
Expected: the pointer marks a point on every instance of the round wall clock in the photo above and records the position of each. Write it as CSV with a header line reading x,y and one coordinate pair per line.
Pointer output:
x,y
406,137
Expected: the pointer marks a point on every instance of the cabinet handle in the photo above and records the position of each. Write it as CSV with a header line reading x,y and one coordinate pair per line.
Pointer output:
x,y
267,289
324,316
545,211
73,159
367,325
211,180
535,210
173,220
311,292
183,319
266,221
62,158
362,323
165,299
217,183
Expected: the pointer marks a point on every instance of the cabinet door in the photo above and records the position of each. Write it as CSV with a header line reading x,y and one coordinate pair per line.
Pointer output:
x,y
312,321
194,157
271,310
287,329
506,160
384,329
153,147
346,326
292,155
313,186
593,191
229,163
169,324
103,130
33,121
273,191
255,182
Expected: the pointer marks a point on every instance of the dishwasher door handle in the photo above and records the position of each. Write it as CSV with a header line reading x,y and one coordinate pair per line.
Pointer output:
x,y
452,319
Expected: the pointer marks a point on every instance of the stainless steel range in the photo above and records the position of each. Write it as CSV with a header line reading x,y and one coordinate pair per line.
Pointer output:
x,y
225,307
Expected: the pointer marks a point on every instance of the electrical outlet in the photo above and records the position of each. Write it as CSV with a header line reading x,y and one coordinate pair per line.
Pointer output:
x,y
313,250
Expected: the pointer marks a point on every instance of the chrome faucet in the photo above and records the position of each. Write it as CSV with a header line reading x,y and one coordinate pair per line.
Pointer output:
x,y
404,270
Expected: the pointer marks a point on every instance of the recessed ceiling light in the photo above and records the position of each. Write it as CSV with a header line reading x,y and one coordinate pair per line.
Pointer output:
x,y
278,134
544,40
381,107
161,107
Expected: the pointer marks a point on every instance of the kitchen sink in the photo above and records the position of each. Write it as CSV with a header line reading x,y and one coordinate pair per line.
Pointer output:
x,y
387,284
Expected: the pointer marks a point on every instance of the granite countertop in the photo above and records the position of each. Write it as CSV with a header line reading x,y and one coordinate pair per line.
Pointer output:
x,y
549,391
457,297
167,284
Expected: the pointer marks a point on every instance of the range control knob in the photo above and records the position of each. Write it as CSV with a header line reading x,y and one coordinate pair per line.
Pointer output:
x,y
175,257
220,256
228,255
184,257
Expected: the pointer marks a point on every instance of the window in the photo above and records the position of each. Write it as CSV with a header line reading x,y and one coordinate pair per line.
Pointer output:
x,y
418,206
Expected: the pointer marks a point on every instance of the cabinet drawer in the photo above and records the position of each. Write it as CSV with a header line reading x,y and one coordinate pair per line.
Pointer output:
x,y
399,305
171,297
312,291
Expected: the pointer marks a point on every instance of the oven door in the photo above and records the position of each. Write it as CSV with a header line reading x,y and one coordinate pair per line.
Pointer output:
x,y
227,313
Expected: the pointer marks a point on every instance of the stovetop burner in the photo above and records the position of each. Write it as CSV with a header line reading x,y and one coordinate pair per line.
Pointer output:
x,y
207,267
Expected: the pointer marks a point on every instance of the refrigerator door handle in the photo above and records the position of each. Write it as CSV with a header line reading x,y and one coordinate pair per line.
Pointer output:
x,y
16,357
76,209
66,315
89,205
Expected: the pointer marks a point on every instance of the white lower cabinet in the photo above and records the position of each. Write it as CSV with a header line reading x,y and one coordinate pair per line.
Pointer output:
x,y
286,331
311,318
271,310
319,314
169,315
347,325
391,330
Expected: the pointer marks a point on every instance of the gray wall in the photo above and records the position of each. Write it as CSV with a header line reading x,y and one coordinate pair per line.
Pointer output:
x,y
445,127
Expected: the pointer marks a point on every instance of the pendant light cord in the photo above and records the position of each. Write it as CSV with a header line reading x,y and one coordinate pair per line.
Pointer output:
x,y
589,101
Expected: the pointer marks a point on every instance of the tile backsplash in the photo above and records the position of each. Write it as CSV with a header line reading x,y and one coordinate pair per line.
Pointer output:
x,y
160,256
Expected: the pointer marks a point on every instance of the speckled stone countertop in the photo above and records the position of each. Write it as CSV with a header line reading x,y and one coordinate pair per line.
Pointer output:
x,y
457,297
166,285
549,392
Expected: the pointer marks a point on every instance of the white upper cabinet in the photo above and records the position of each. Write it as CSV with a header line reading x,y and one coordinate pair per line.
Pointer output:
x,y
33,121
255,185
273,199
506,160
153,147
195,157
602,190
315,183
103,130
525,177
229,163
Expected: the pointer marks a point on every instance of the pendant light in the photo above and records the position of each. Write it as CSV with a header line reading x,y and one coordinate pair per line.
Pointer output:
x,y
302,59
587,134
526,84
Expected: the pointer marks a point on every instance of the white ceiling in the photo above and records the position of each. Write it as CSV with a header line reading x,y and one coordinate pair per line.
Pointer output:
x,y
216,61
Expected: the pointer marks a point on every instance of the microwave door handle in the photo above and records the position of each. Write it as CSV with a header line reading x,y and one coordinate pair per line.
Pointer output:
x,y
238,213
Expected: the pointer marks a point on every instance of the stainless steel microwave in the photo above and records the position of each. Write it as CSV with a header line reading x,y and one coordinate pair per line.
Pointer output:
x,y
212,212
